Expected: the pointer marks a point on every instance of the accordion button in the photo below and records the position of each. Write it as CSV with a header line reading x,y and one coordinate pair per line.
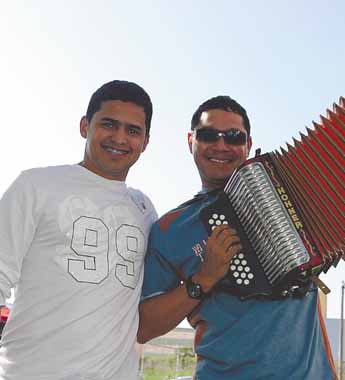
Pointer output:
x,y
239,281
211,221
215,216
246,282
250,275
222,217
240,268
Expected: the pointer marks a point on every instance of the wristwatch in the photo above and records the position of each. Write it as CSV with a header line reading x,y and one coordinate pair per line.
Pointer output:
x,y
194,290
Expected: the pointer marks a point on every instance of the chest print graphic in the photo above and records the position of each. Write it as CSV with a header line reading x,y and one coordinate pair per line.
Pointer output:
x,y
199,248
100,243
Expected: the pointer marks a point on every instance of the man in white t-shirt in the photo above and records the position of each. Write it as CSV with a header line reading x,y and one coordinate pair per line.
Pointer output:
x,y
72,243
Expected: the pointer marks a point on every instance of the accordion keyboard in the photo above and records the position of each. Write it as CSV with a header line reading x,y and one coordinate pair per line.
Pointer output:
x,y
266,222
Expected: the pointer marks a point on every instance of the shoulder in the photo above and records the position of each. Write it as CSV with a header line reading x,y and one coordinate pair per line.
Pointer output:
x,y
44,172
30,177
185,219
142,201
172,217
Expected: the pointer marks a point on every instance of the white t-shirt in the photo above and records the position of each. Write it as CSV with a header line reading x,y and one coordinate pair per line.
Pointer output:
x,y
72,244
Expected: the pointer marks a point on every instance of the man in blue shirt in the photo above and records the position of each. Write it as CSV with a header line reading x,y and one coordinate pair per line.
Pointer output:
x,y
235,340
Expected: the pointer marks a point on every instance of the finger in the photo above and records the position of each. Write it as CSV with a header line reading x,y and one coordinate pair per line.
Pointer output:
x,y
216,233
228,239
220,230
233,250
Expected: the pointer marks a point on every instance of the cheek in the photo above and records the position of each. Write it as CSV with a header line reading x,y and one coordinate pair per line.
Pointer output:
x,y
93,141
96,137
242,151
138,147
197,150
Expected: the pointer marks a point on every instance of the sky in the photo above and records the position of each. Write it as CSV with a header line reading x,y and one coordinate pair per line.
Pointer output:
x,y
283,61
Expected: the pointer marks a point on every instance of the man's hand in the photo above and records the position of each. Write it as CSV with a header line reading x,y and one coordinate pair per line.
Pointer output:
x,y
222,246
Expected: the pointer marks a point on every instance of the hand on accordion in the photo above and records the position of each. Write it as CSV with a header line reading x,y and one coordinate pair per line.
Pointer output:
x,y
222,245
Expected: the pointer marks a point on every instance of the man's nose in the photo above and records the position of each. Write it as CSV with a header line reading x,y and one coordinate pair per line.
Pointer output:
x,y
119,135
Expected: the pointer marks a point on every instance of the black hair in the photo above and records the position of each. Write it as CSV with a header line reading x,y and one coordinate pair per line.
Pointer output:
x,y
124,91
221,102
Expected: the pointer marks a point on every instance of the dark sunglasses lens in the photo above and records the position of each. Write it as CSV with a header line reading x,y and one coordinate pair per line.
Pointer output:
x,y
207,135
235,137
232,136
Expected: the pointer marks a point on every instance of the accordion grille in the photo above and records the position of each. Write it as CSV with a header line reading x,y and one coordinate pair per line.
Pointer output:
x,y
266,222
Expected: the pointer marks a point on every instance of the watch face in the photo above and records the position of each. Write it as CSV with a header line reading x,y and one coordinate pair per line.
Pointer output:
x,y
195,290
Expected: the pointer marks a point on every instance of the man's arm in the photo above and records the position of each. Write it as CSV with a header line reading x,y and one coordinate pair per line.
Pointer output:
x,y
17,229
162,313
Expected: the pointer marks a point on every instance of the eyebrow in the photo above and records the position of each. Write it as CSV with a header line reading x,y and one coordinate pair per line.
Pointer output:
x,y
115,121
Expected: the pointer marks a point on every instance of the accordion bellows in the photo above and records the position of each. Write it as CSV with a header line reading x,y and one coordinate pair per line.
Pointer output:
x,y
289,209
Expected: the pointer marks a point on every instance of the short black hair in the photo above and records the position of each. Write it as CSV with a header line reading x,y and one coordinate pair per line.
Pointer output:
x,y
221,102
124,91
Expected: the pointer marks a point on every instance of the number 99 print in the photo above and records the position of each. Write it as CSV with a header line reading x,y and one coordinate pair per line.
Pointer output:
x,y
90,250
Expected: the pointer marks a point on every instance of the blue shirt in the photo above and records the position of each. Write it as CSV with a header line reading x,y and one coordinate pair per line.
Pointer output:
x,y
236,340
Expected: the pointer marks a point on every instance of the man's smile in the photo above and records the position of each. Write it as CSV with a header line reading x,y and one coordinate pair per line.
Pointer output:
x,y
114,151
219,160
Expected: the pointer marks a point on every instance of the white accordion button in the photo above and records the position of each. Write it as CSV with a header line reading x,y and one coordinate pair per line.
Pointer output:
x,y
240,269
216,219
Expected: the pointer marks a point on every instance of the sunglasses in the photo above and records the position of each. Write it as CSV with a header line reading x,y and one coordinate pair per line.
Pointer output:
x,y
231,136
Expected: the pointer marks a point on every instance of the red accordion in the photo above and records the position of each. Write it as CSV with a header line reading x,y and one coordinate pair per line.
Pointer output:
x,y
289,210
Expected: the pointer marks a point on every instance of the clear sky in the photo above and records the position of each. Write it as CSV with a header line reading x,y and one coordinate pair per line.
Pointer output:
x,y
283,61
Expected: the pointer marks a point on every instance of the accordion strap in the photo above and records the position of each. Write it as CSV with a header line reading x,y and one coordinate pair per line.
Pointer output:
x,y
320,284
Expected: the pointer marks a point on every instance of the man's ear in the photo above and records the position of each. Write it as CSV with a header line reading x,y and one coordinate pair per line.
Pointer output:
x,y
190,141
84,125
249,144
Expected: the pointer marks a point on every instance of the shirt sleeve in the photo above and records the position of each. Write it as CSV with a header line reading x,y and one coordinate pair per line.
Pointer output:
x,y
17,229
160,274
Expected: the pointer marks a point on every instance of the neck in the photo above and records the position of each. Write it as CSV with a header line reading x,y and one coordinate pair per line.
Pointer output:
x,y
120,177
210,187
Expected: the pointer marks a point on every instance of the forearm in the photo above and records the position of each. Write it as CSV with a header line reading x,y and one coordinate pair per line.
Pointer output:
x,y
162,313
